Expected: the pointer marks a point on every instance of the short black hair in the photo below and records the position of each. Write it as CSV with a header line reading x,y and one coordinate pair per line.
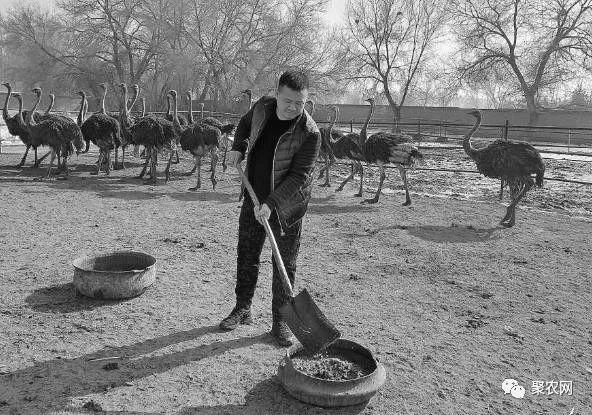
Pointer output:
x,y
295,79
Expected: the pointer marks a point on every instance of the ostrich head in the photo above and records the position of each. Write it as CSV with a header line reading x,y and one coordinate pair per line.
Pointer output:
x,y
123,86
247,91
36,91
370,100
136,88
17,95
82,94
188,94
475,113
103,85
173,93
7,85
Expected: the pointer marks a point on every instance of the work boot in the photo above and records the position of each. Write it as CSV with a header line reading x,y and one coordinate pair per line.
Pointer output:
x,y
282,334
238,315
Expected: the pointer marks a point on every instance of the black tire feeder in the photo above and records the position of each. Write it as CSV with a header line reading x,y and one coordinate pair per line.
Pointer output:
x,y
333,393
116,275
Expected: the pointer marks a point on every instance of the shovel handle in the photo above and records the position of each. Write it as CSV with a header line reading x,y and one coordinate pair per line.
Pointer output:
x,y
274,247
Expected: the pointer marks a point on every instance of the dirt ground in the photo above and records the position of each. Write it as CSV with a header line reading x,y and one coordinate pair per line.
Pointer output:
x,y
449,302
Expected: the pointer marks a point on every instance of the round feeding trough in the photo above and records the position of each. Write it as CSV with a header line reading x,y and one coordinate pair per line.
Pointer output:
x,y
344,374
116,275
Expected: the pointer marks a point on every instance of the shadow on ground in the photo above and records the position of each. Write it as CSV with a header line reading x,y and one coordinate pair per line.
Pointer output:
x,y
63,298
49,385
454,234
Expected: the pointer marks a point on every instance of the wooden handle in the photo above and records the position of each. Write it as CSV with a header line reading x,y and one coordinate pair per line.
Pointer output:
x,y
274,247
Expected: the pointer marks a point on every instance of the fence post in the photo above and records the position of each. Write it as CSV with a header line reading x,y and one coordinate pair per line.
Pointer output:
x,y
506,128
351,125
569,142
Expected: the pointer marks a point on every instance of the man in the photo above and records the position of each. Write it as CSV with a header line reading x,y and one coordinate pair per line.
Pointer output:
x,y
283,144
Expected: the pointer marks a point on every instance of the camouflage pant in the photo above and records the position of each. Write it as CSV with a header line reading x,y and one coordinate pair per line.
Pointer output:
x,y
251,237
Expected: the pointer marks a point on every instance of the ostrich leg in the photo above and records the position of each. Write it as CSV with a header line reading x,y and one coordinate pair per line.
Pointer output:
x,y
116,165
213,169
101,157
108,171
226,144
326,168
194,166
322,170
22,163
153,162
377,195
147,160
501,192
516,198
38,162
168,167
198,165
348,178
359,168
53,156
404,177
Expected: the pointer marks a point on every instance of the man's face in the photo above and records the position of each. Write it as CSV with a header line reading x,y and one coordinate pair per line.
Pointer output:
x,y
290,103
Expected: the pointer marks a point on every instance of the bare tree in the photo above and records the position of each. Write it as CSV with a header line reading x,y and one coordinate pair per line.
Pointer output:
x,y
389,42
538,42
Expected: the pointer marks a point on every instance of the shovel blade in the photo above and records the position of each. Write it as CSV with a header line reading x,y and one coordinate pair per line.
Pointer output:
x,y
308,323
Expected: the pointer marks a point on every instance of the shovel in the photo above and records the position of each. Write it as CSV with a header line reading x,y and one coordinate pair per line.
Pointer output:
x,y
308,323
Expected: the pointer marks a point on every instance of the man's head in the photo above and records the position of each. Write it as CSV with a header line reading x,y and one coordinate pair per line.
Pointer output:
x,y
292,94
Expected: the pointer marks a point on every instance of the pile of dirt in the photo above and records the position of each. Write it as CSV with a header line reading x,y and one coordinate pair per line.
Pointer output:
x,y
329,368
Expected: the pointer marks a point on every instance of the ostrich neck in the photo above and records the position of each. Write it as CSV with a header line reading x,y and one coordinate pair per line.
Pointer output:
x,y
134,99
143,107
202,111
81,112
124,112
168,105
364,130
176,123
5,109
20,113
333,121
103,101
51,102
190,115
30,118
471,152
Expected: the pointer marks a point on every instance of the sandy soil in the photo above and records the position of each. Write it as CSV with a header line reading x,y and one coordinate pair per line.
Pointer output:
x,y
450,303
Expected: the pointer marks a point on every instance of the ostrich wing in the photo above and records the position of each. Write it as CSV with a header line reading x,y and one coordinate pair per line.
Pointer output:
x,y
509,159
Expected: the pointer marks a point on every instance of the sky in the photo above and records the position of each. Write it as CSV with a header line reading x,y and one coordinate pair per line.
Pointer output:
x,y
334,14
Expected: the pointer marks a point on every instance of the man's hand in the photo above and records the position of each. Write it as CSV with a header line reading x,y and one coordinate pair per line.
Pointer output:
x,y
234,158
264,212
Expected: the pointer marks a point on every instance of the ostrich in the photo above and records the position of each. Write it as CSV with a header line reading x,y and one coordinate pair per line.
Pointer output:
x,y
103,131
17,129
514,162
384,148
328,136
71,127
125,137
342,147
225,129
60,135
198,139
154,133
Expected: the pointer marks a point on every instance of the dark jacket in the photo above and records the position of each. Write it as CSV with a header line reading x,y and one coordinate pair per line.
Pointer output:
x,y
293,163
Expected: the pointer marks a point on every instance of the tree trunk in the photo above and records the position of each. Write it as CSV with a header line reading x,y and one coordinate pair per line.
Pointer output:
x,y
532,110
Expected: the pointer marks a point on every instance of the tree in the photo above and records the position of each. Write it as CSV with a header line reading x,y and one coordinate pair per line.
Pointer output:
x,y
538,42
389,42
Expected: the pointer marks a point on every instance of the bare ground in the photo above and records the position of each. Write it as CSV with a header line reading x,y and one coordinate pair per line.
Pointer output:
x,y
450,303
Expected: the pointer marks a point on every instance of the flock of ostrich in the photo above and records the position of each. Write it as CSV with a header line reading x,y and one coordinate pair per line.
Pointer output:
x,y
513,162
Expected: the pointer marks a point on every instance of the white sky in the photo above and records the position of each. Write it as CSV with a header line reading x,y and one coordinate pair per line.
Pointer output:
x,y
335,8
